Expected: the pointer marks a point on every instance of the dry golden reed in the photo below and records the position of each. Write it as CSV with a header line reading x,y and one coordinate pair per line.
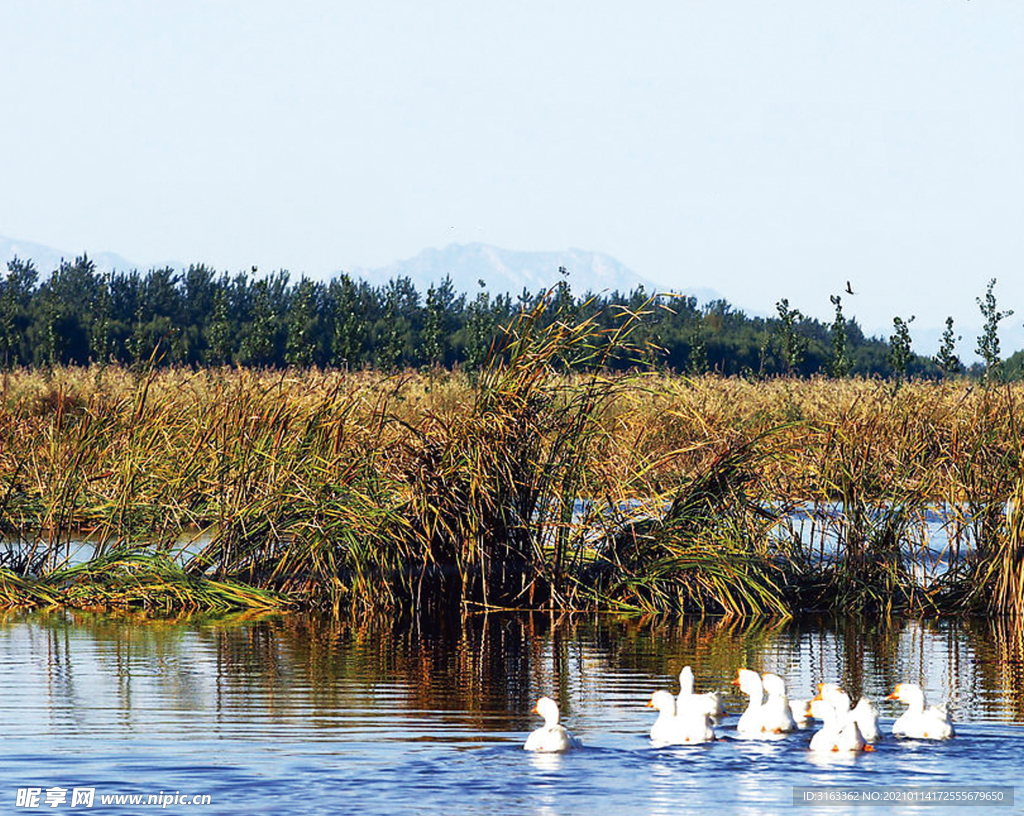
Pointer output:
x,y
526,485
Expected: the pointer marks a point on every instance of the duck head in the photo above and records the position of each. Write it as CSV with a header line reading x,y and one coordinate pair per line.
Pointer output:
x,y
686,680
664,702
548,709
749,683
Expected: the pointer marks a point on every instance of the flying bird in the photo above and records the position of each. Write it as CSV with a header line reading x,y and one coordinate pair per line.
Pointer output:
x,y
849,289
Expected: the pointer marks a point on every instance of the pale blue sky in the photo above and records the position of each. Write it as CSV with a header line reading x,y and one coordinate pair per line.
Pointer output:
x,y
765,149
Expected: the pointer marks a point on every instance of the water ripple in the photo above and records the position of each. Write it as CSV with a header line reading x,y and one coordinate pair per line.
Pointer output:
x,y
295,715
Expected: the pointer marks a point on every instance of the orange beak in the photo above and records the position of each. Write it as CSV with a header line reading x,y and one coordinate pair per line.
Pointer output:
x,y
895,694
534,709
649,703
869,747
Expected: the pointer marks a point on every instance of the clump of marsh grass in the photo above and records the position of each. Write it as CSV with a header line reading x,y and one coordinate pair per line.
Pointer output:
x,y
1005,573
704,553
494,488
874,520
993,580
17,591
989,576
304,505
132,580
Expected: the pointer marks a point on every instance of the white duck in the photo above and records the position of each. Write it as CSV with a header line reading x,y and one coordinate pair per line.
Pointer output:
x,y
851,740
750,723
918,722
825,712
776,715
863,713
709,703
867,719
673,729
551,737
839,732
833,694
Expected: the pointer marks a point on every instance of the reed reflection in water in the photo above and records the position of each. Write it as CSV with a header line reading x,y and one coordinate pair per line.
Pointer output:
x,y
289,713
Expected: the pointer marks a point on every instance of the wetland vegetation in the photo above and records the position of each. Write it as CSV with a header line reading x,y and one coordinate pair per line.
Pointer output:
x,y
559,474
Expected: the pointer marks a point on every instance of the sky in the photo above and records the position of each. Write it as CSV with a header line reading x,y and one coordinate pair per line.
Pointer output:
x,y
765,150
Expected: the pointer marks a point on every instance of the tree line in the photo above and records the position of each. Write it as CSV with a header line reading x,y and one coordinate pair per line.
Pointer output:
x,y
78,315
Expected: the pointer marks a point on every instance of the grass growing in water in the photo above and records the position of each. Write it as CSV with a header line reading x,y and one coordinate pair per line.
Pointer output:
x,y
704,553
541,482
132,581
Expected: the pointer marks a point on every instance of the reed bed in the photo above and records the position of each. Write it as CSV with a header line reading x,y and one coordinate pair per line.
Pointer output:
x,y
539,482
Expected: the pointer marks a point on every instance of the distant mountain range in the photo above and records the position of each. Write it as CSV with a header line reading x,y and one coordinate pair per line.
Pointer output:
x,y
502,270
46,259
506,270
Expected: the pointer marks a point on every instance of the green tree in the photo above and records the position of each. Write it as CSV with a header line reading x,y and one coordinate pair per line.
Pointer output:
x,y
900,352
793,345
565,305
437,323
300,346
988,341
52,346
99,335
16,293
78,315
840,364
258,345
196,312
65,304
697,358
349,325
947,359
399,304
480,326
219,330
161,316
137,342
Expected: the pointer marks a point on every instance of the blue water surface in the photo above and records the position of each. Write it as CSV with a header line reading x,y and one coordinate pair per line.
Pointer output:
x,y
298,714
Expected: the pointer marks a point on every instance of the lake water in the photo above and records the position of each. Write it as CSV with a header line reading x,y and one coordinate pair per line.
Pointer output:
x,y
298,714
